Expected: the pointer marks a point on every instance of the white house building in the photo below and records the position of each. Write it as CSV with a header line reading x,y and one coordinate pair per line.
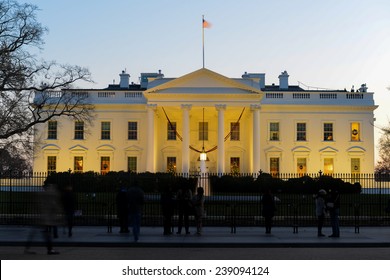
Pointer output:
x,y
242,124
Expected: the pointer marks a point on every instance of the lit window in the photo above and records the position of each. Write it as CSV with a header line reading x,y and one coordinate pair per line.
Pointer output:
x,y
51,164
328,166
52,130
235,131
301,131
235,165
132,164
106,131
171,164
79,130
171,131
274,166
104,165
301,166
328,131
203,131
274,131
78,164
132,130
355,131
355,166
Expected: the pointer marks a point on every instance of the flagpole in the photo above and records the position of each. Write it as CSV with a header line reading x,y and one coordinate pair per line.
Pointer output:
x,y
203,38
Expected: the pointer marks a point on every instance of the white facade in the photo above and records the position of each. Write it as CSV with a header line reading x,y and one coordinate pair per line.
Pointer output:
x,y
248,126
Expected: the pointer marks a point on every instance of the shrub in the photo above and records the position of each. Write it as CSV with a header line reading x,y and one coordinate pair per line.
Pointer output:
x,y
112,181
265,181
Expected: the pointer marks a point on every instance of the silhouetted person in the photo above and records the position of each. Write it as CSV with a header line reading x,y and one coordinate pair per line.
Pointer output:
x,y
50,208
268,211
122,206
198,203
320,211
184,208
69,203
333,206
136,202
167,207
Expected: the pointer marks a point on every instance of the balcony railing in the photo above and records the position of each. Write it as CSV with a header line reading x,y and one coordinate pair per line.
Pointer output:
x,y
319,98
96,97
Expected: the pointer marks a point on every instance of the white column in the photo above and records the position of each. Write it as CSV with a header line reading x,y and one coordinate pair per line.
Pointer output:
x,y
256,138
150,151
221,146
186,139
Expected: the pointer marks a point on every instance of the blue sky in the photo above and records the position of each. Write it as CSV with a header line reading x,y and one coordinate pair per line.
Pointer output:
x,y
329,44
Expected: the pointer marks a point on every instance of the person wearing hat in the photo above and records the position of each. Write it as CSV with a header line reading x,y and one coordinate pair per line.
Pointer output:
x,y
320,211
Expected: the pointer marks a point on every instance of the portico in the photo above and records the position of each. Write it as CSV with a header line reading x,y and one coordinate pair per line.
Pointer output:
x,y
225,103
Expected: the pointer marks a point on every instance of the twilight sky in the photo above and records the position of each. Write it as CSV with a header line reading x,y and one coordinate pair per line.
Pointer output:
x,y
331,44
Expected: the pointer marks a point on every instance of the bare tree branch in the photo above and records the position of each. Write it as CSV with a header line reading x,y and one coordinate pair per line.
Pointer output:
x,y
383,165
33,91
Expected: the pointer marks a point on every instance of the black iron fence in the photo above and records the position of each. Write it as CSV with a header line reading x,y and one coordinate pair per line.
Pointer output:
x,y
369,207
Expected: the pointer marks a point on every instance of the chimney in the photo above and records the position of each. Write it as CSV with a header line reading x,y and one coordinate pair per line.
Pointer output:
x,y
258,78
283,80
160,75
124,80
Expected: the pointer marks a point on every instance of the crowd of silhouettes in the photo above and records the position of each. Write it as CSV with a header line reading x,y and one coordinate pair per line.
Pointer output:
x,y
185,205
57,208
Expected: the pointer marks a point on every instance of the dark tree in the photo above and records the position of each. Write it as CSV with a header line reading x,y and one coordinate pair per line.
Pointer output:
x,y
12,163
383,165
32,90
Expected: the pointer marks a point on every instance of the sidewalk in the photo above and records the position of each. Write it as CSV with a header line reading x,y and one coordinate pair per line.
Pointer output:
x,y
211,237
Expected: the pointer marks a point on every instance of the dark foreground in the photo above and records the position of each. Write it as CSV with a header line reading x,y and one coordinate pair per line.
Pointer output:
x,y
216,243
138,253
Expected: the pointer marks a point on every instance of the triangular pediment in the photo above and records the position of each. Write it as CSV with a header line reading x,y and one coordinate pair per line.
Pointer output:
x,y
78,148
202,81
328,150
